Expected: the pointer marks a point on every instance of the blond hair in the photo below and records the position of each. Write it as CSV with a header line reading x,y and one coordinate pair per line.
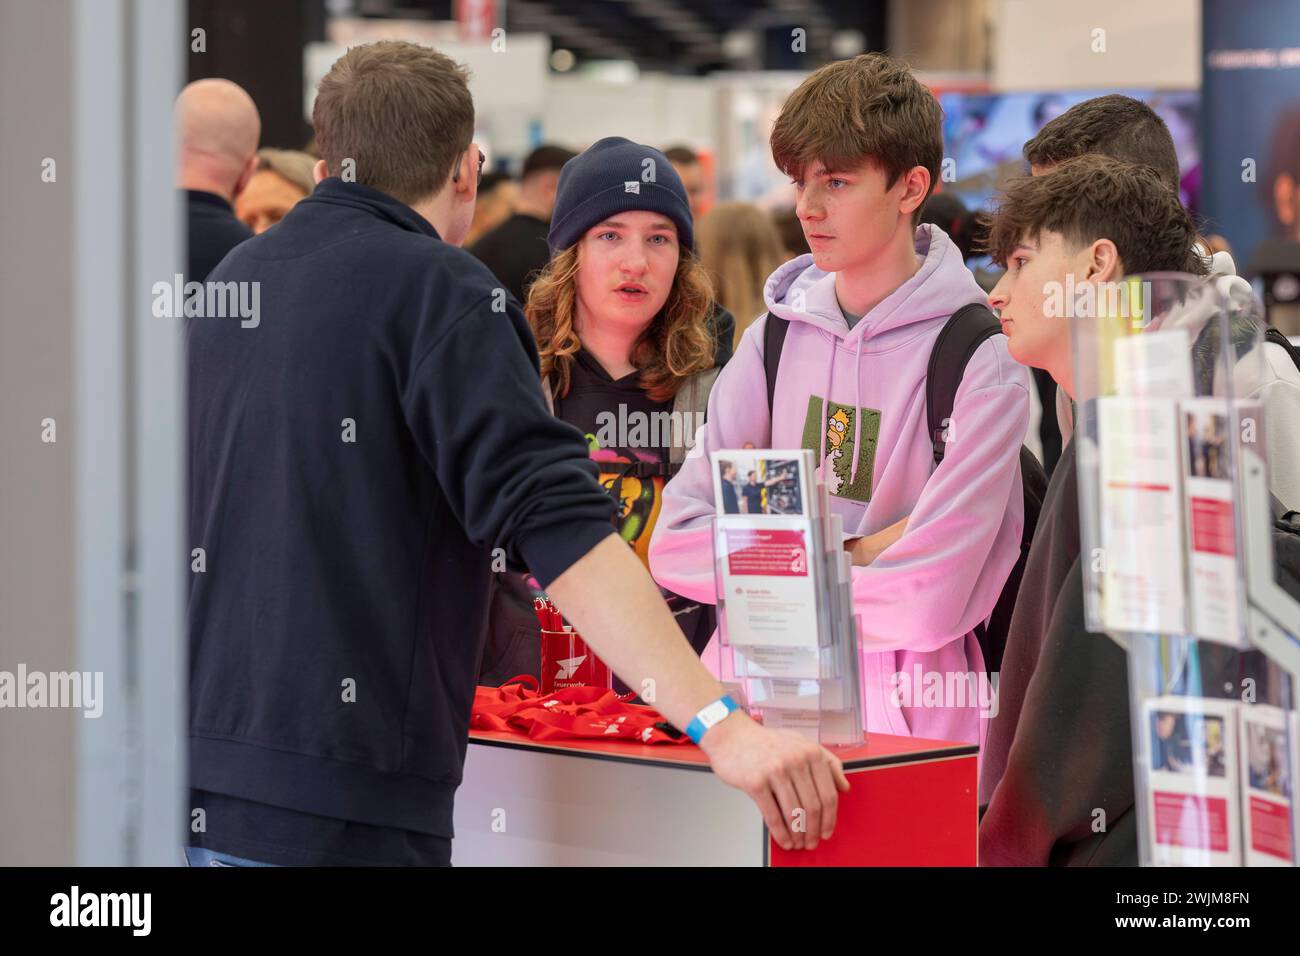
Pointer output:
x,y
740,247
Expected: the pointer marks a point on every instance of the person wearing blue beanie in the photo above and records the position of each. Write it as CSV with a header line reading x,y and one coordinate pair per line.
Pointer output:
x,y
613,175
624,320
616,174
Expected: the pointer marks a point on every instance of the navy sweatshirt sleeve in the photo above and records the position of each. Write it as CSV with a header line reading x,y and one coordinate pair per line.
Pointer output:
x,y
515,476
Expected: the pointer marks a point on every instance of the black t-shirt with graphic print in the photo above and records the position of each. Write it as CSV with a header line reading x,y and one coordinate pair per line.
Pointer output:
x,y
629,435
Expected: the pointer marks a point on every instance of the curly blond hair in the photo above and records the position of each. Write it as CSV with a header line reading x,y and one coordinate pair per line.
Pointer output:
x,y
675,345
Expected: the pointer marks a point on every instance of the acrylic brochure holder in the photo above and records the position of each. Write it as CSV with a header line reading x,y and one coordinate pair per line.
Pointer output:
x,y
1176,527
788,638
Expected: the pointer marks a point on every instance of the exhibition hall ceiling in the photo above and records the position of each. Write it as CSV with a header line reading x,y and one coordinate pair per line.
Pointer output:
x,y
689,36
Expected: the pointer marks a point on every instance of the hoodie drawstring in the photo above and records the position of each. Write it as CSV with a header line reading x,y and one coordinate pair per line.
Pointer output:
x,y
826,408
857,408
857,412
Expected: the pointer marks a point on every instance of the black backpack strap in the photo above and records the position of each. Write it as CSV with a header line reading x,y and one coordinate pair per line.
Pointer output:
x,y
959,339
773,341
1277,338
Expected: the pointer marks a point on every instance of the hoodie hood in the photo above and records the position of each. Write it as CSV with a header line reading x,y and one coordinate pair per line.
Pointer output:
x,y
800,292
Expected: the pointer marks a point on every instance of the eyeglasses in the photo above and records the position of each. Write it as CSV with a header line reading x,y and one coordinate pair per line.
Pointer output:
x,y
455,178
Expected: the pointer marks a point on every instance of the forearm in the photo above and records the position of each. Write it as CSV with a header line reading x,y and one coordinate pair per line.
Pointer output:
x,y
612,602
609,596
866,549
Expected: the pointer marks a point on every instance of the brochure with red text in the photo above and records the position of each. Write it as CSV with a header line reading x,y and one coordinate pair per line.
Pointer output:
x,y
1190,746
784,586
1141,506
1215,580
1268,783
769,552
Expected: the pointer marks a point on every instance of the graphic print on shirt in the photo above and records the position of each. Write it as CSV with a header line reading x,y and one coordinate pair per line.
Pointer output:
x,y
637,498
832,426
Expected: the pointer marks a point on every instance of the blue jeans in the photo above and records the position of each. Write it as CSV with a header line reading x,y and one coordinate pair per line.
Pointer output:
x,y
201,856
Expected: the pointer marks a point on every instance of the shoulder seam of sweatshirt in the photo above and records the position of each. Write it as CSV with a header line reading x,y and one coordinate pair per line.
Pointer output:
x,y
451,326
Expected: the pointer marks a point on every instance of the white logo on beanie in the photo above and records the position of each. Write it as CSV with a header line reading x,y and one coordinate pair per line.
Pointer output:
x,y
634,186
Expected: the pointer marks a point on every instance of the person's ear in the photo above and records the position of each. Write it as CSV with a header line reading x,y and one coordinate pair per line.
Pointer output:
x,y
466,178
916,186
320,171
250,167
552,187
1284,195
1103,264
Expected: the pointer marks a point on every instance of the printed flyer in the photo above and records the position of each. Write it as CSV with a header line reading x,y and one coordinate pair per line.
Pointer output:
x,y
1268,784
769,554
1215,579
1141,515
1193,804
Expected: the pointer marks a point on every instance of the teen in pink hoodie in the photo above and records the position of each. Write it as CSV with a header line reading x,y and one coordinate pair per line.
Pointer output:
x,y
923,595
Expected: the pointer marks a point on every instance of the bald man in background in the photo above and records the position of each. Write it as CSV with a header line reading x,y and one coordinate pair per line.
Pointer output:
x,y
217,129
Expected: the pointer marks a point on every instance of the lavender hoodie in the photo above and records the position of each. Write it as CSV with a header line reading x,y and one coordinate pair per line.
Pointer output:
x,y
921,599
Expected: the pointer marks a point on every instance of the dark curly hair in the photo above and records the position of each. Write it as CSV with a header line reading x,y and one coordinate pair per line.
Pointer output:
x,y
1096,197
1114,125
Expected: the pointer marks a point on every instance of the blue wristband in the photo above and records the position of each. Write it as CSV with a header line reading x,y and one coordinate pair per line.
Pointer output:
x,y
710,715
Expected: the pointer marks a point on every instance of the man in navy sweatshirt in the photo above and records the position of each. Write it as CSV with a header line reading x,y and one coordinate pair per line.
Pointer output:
x,y
362,451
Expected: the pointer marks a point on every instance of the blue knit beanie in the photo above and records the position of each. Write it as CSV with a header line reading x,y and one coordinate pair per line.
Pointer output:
x,y
609,177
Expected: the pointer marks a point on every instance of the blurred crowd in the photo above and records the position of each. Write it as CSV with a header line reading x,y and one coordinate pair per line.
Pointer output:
x,y
237,190
740,245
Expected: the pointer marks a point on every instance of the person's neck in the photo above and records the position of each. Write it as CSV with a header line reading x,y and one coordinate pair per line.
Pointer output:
x,y
1065,382
200,182
609,344
1059,364
861,289
439,212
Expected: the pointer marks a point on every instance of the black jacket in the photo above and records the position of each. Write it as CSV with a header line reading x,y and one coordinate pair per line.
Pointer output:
x,y
515,251
1060,746
723,325
212,230
355,457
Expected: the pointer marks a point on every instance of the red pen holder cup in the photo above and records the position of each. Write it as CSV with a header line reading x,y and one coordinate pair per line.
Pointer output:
x,y
567,661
